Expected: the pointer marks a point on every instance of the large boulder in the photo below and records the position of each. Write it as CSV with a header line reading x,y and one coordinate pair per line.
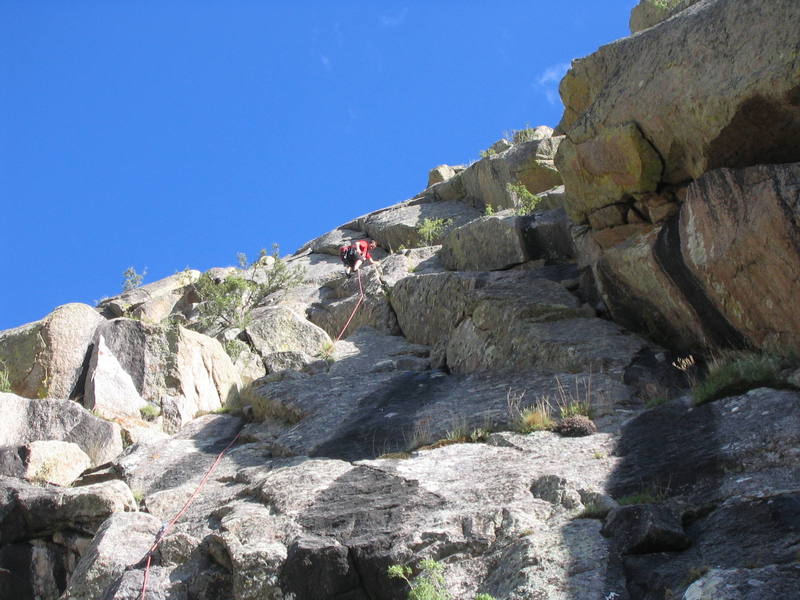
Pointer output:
x,y
740,236
34,511
155,301
47,358
485,244
180,371
54,461
485,183
121,542
714,86
25,421
691,280
279,329
399,225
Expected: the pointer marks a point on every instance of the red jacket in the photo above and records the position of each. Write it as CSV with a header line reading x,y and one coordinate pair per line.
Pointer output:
x,y
363,248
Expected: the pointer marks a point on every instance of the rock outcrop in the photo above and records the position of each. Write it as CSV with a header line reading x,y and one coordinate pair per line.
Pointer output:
x,y
45,359
500,394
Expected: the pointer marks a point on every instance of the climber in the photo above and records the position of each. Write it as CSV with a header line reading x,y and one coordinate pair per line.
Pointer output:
x,y
354,255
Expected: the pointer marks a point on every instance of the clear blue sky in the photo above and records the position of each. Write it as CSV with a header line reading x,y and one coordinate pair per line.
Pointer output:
x,y
165,134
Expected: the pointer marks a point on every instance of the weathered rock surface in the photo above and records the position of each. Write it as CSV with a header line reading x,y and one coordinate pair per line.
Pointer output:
x,y
398,225
778,581
155,301
485,244
34,511
46,358
25,421
690,281
485,182
373,311
53,461
648,13
181,371
110,391
278,329
714,86
122,541
740,237
729,469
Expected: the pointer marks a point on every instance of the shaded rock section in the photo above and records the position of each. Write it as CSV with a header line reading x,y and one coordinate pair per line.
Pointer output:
x,y
25,421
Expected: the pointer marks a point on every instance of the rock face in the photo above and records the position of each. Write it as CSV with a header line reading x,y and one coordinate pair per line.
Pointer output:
x,y
391,434
155,301
46,358
25,421
181,372
691,281
725,95
648,13
485,183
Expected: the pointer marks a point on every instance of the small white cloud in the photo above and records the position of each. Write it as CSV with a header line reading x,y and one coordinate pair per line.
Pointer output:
x,y
553,74
548,81
394,18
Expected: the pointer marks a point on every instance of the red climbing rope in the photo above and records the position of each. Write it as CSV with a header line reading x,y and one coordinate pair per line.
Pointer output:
x,y
358,304
165,529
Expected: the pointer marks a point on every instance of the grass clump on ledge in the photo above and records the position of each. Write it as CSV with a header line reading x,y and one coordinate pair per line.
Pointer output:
x,y
429,584
735,372
430,230
525,201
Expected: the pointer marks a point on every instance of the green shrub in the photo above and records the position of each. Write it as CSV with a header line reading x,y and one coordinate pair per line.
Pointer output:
x,y
131,279
227,303
149,412
488,210
524,201
488,153
5,380
235,347
429,584
430,230
734,373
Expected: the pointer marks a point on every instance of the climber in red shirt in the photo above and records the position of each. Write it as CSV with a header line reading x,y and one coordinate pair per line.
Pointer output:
x,y
352,256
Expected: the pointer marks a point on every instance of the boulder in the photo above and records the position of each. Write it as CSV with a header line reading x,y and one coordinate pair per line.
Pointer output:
x,y
485,244
155,301
440,174
646,528
740,237
485,182
423,294
33,511
690,281
181,371
547,235
121,542
25,421
714,86
53,461
398,225
280,329
47,358
110,391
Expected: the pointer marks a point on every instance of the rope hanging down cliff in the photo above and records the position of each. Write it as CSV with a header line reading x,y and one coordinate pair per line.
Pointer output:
x,y
169,525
